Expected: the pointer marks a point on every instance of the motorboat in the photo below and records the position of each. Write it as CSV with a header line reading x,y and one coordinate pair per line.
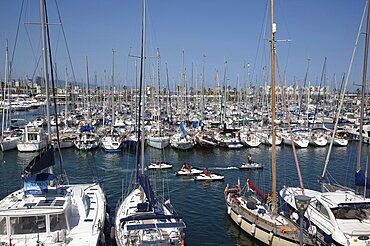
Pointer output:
x,y
339,218
189,171
160,165
208,176
253,165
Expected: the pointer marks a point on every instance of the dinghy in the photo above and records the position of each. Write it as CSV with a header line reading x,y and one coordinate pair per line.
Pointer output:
x,y
159,165
189,171
208,176
253,165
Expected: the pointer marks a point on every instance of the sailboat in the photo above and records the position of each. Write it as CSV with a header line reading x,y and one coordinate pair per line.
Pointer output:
x,y
258,215
112,142
9,137
339,215
141,219
45,211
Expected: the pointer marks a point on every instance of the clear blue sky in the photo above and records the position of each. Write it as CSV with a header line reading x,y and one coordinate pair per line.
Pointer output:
x,y
231,31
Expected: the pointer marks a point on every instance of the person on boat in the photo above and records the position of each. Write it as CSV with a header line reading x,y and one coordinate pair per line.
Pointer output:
x,y
187,166
206,172
250,161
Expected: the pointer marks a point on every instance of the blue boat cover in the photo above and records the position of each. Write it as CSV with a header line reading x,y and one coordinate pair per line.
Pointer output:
x,y
360,178
182,127
149,193
87,128
151,217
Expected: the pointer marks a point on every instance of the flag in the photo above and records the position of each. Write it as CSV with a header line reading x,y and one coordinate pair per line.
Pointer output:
x,y
168,201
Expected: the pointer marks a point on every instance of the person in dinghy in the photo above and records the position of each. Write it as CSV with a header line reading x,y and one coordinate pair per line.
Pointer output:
x,y
250,159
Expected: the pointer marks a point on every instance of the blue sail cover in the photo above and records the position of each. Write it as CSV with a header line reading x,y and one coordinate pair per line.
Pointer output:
x,y
149,193
182,127
360,178
87,128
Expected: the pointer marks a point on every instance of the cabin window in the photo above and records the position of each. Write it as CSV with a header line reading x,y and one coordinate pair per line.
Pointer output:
x,y
2,225
57,222
27,225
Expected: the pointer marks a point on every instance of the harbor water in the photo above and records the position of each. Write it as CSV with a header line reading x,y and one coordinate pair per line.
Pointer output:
x,y
201,204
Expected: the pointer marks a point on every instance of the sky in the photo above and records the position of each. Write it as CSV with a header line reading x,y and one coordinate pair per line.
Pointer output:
x,y
200,32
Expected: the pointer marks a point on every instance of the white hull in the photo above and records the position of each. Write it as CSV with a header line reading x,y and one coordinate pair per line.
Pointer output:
x,y
298,142
211,177
111,144
187,172
253,165
69,203
126,236
9,143
31,146
158,142
160,165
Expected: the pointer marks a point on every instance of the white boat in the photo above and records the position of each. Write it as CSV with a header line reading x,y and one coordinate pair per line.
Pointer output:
x,y
66,215
158,142
111,144
66,140
317,139
160,165
253,165
298,140
209,177
34,139
45,211
266,139
10,139
181,142
341,217
87,140
235,145
340,142
141,219
250,140
189,171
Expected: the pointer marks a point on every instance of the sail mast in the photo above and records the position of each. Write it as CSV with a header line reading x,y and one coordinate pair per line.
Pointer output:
x,y
359,148
140,140
46,69
113,105
273,150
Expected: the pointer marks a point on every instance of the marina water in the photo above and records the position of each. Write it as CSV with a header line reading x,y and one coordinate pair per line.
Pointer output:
x,y
201,204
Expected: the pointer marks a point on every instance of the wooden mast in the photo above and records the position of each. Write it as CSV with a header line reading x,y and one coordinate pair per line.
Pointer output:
x,y
273,150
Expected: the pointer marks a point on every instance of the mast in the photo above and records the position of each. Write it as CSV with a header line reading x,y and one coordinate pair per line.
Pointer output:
x,y
4,94
113,106
273,150
140,140
46,69
87,90
359,148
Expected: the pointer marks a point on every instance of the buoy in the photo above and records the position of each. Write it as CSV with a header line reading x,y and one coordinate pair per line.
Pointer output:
x,y
239,219
229,210
253,229
271,235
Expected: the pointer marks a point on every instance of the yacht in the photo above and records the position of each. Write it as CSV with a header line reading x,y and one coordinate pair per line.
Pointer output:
x,y
338,218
